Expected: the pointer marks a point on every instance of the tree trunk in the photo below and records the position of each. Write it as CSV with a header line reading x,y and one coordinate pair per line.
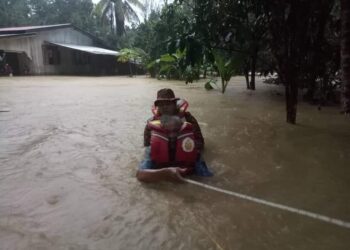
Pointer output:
x,y
246,75
130,68
316,47
119,17
291,98
345,54
288,23
111,18
253,68
309,96
324,91
224,84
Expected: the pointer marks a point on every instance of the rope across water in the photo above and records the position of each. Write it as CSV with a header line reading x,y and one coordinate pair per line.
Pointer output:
x,y
316,216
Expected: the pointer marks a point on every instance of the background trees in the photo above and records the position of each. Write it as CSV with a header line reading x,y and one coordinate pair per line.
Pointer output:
x,y
114,13
298,39
345,52
14,13
105,20
301,40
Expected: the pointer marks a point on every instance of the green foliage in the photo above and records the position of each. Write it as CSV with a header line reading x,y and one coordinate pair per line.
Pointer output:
x,y
227,65
104,20
164,32
163,35
191,74
211,84
298,39
76,12
240,26
127,55
172,65
136,55
147,38
14,13
43,12
167,58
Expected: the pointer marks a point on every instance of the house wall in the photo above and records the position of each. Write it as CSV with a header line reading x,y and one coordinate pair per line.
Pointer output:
x,y
21,45
33,47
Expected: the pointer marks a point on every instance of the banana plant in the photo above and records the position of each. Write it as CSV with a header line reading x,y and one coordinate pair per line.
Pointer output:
x,y
171,65
227,65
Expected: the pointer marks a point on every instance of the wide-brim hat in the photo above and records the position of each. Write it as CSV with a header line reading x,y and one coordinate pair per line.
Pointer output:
x,y
165,95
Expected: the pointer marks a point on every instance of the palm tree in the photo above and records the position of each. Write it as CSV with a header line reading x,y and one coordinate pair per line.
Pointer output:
x,y
345,54
115,12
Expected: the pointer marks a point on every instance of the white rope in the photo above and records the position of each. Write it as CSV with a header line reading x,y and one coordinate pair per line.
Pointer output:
x,y
316,216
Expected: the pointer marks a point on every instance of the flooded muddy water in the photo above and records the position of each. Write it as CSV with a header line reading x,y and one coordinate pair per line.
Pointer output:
x,y
70,146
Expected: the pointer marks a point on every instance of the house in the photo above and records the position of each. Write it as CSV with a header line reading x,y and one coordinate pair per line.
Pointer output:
x,y
56,49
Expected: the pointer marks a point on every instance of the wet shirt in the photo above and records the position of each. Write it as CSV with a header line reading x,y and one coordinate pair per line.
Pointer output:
x,y
199,141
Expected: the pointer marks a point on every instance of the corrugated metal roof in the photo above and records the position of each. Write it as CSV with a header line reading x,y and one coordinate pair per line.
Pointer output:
x,y
27,29
89,49
32,28
16,35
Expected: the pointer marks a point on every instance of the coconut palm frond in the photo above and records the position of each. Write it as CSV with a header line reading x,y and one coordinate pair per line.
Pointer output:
x,y
137,3
102,8
131,14
114,13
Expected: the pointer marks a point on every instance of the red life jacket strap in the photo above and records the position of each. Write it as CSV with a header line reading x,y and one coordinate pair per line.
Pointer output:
x,y
160,136
155,125
155,111
186,126
182,105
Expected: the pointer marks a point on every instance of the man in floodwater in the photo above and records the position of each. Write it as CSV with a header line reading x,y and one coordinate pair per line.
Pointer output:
x,y
173,142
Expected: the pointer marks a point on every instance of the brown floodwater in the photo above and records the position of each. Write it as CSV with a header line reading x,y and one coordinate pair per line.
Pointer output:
x,y
70,146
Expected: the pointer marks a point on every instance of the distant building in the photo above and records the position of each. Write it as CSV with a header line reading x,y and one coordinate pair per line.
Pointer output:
x,y
56,49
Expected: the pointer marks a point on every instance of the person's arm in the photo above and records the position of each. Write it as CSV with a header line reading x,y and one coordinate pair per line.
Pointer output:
x,y
147,136
164,174
196,130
